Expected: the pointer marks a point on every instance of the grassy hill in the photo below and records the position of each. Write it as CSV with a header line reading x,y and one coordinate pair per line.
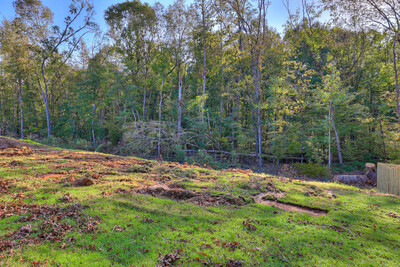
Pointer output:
x,y
73,208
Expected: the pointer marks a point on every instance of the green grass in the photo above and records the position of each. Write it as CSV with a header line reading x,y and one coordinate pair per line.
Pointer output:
x,y
357,231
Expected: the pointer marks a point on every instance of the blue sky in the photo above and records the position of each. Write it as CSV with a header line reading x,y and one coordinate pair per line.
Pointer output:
x,y
277,14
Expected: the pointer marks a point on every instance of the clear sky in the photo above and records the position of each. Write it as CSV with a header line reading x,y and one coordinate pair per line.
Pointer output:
x,y
277,14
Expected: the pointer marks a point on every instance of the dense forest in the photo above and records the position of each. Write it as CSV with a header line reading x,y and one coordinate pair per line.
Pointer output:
x,y
205,81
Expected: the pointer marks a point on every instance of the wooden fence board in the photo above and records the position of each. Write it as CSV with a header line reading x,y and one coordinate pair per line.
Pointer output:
x,y
388,178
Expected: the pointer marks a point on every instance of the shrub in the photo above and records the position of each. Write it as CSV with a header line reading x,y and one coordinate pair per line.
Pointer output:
x,y
115,132
101,148
351,166
179,154
81,144
311,169
203,158
52,141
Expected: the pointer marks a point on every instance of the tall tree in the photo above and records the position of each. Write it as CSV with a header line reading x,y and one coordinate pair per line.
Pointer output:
x,y
133,26
15,47
50,39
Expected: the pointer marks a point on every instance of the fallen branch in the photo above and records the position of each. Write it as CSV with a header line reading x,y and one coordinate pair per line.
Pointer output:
x,y
109,253
338,226
284,258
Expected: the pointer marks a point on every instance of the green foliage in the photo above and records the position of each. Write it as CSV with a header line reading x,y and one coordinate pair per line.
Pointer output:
x,y
82,144
351,166
52,141
180,154
203,158
311,169
115,132
101,148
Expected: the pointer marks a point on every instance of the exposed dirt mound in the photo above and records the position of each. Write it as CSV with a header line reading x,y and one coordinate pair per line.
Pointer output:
x,y
11,143
288,206
271,192
14,148
206,200
165,191
84,182
200,199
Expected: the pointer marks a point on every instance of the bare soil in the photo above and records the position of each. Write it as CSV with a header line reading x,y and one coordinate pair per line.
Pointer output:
x,y
288,206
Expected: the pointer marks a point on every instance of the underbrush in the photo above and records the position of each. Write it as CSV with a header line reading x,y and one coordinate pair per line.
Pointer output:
x,y
312,169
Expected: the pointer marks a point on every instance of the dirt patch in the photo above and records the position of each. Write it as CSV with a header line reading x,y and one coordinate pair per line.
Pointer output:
x,y
272,193
55,177
11,143
289,206
83,182
165,191
13,148
201,199
207,200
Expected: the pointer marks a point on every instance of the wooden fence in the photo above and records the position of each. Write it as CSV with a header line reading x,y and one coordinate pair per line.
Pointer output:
x,y
389,178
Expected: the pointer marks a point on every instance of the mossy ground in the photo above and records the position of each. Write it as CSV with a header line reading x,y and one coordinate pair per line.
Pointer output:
x,y
362,227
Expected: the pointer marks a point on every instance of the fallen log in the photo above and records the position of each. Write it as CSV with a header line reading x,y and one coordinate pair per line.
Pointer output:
x,y
351,179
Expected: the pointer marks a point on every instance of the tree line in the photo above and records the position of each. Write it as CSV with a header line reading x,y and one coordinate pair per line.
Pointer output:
x,y
209,78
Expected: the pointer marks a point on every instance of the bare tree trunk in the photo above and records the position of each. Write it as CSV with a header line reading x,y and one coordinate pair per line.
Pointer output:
x,y
21,108
221,111
257,84
337,137
144,96
203,12
232,124
159,120
329,132
383,140
124,114
72,118
179,106
396,75
36,121
260,164
94,115
45,97
134,117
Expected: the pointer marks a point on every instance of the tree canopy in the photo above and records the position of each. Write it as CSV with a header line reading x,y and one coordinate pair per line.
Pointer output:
x,y
210,80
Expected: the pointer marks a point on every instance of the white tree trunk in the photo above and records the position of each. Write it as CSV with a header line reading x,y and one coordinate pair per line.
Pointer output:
x,y
396,75
203,12
159,121
21,108
179,106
